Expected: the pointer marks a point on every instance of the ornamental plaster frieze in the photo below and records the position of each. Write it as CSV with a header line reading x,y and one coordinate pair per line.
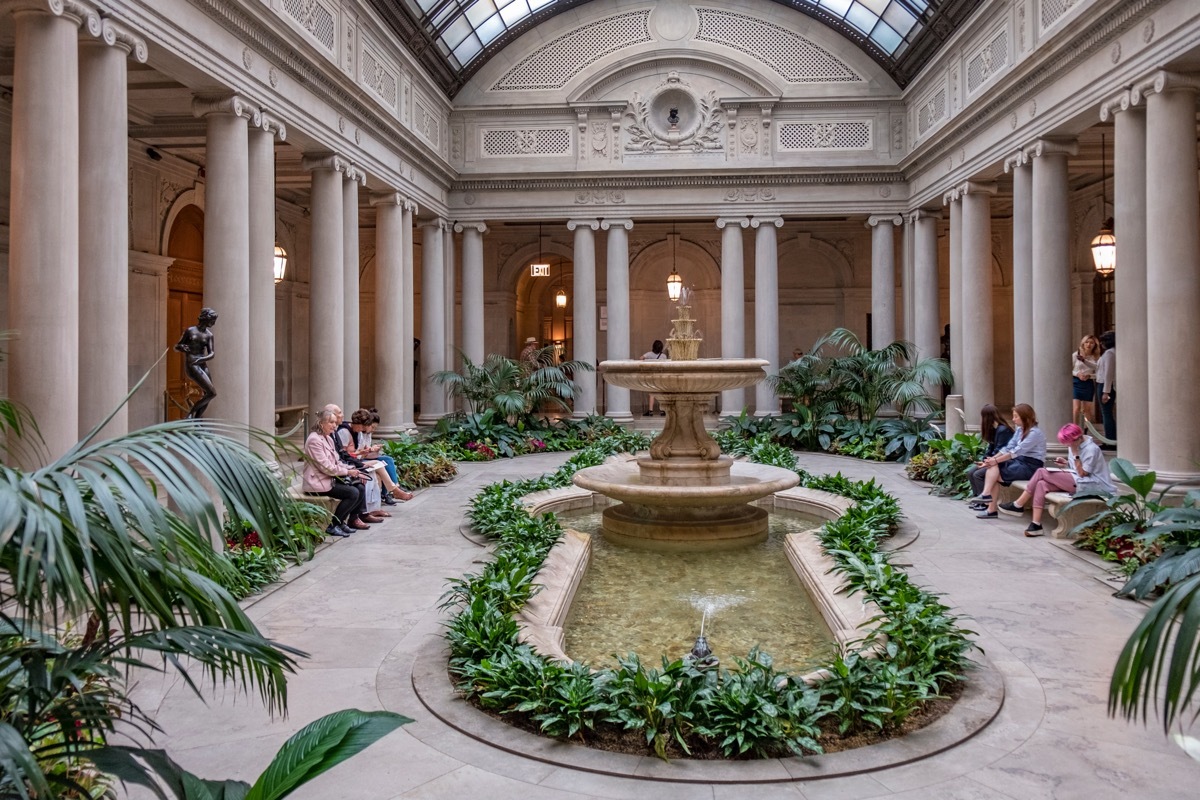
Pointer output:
x,y
741,182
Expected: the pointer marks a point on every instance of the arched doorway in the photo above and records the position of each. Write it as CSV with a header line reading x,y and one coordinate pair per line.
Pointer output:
x,y
185,298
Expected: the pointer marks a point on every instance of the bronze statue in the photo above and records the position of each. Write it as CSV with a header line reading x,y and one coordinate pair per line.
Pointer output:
x,y
196,344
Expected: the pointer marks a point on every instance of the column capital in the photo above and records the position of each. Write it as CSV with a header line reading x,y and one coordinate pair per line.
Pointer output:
x,y
1122,101
1017,159
269,123
594,224
235,104
976,187
387,199
607,224
876,219
924,214
952,195
330,161
356,173
1160,82
83,13
1051,147
741,222
755,222
437,222
481,227
114,34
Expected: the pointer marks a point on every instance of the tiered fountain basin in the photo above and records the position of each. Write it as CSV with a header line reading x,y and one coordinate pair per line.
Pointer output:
x,y
685,494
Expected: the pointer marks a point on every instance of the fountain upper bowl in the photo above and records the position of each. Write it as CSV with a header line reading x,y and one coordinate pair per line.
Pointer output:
x,y
700,376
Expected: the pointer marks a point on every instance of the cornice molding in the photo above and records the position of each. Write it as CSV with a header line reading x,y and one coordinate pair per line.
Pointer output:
x,y
674,181
237,105
572,224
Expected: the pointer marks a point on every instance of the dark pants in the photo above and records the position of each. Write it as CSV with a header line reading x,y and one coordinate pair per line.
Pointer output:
x,y
351,499
977,476
1108,412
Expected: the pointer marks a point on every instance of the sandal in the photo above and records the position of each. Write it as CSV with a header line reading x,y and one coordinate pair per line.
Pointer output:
x,y
403,495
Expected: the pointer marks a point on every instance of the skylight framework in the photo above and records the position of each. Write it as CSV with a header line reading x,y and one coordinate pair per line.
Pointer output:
x,y
901,35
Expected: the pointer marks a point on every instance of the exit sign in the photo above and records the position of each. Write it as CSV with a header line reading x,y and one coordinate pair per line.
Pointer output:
x,y
539,270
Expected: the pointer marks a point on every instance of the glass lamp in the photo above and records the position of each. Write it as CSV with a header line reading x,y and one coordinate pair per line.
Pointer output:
x,y
280,263
1104,245
674,282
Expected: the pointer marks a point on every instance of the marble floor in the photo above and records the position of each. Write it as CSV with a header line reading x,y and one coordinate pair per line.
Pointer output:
x,y
366,605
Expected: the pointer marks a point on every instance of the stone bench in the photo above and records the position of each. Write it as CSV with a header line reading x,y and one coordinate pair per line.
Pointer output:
x,y
295,492
1056,503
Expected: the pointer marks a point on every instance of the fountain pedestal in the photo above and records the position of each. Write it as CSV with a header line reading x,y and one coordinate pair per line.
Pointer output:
x,y
685,495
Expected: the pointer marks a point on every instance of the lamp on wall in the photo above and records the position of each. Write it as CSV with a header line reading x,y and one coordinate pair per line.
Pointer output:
x,y
280,263
1104,246
674,282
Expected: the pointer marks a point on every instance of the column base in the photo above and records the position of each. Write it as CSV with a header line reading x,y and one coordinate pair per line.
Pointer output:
x,y
428,421
1179,483
621,417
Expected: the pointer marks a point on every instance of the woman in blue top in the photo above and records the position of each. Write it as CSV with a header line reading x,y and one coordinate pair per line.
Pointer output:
x,y
996,433
1017,461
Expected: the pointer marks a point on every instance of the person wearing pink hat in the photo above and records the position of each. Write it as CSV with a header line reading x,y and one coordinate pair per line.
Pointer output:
x,y
1086,472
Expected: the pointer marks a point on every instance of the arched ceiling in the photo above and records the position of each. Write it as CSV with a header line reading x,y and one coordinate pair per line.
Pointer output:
x,y
454,38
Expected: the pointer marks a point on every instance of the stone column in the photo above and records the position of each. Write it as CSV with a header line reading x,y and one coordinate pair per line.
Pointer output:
x,y
262,271
1172,275
927,332
585,311
1051,298
104,227
766,309
908,278
954,201
390,360
351,264
733,304
450,274
976,333
407,328
618,311
433,321
1129,179
1022,276
883,279
472,289
227,249
326,332
43,282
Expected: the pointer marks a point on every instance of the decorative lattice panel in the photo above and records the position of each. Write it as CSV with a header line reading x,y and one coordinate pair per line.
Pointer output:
x,y
1052,10
315,18
563,58
426,123
377,76
840,135
527,142
989,60
931,111
795,58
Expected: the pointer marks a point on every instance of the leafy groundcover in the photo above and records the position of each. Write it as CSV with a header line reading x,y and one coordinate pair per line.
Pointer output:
x,y
674,710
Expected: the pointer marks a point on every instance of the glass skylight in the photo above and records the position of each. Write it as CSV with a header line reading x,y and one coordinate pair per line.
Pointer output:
x,y
463,28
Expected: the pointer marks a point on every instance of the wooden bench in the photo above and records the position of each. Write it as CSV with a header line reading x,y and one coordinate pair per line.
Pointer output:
x,y
1056,503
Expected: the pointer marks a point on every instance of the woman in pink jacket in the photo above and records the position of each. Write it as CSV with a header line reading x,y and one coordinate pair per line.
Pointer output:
x,y
322,470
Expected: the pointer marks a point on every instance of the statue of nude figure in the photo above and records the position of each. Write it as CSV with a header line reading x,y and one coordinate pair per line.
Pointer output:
x,y
196,344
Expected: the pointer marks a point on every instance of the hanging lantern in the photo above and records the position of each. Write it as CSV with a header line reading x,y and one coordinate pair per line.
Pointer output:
x,y
1104,249
674,286
280,263
560,298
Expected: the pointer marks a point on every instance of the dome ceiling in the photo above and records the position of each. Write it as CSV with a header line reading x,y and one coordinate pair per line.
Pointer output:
x,y
454,38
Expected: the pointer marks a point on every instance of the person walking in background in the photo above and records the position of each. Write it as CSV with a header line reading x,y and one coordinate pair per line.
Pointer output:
x,y
1106,383
655,354
1083,378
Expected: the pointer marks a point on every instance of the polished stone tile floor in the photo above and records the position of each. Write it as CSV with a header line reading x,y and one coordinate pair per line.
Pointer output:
x,y
365,605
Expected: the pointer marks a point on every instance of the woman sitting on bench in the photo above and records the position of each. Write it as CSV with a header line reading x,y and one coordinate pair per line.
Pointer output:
x,y
1086,471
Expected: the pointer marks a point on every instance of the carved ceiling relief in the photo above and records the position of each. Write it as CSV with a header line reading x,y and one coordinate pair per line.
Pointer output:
x,y
748,135
674,117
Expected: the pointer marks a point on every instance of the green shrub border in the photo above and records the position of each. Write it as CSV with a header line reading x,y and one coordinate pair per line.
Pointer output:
x,y
751,711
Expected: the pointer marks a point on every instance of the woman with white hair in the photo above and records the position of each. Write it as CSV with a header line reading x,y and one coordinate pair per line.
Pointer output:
x,y
325,474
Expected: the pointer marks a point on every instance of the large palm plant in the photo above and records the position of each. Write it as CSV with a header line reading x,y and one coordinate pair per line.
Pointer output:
x,y
514,388
113,538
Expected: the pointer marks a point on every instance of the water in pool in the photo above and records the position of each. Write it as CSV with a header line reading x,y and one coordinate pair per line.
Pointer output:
x,y
650,603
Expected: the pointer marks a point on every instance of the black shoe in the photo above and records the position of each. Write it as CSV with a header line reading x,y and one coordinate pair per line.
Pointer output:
x,y
662,413
648,414
1011,509
977,506
388,500
979,498
985,514
1034,530
337,530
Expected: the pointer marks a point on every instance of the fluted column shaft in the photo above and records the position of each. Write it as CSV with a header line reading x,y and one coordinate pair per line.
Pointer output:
x,y
227,252
956,296
1129,200
1051,298
618,311
472,289
733,303
925,301
908,246
433,322
883,279
262,271
104,230
1172,279
407,327
352,318
326,335
976,334
585,311
766,309
1022,279
43,287
390,359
